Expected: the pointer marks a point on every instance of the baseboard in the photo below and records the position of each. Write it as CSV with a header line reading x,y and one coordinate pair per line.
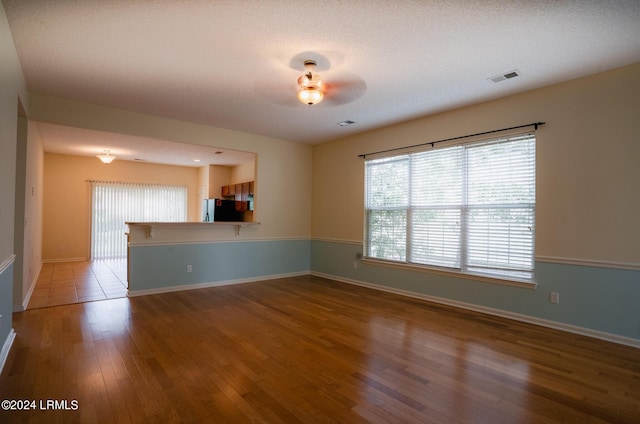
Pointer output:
x,y
196,286
53,261
6,348
27,298
614,338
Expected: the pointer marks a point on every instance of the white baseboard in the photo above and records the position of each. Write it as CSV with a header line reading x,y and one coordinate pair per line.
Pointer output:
x,y
27,298
170,289
614,338
6,347
54,261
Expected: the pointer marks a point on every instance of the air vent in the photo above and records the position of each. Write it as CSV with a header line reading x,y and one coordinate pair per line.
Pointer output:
x,y
505,76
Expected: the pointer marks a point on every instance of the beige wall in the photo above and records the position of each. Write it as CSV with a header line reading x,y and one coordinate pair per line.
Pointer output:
x,y
243,173
32,245
18,209
13,90
588,172
67,201
283,169
218,176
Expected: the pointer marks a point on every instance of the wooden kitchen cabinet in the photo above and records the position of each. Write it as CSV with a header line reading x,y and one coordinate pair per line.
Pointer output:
x,y
245,192
240,192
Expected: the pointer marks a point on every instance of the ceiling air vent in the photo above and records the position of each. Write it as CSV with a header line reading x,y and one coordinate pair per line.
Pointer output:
x,y
506,76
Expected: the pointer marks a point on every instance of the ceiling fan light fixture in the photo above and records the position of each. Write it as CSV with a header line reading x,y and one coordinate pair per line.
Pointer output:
x,y
106,157
310,85
310,95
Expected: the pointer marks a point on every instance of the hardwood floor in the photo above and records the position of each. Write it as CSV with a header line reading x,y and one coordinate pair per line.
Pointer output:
x,y
62,283
310,350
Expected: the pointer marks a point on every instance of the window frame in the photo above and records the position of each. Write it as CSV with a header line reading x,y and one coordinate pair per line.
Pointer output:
x,y
464,268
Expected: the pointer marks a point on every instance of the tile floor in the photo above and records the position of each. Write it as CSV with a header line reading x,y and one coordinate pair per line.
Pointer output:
x,y
62,283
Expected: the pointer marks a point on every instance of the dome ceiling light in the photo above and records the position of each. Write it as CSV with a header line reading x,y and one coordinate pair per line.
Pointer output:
x,y
106,157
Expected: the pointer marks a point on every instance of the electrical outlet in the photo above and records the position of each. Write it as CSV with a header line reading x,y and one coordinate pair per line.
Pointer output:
x,y
0,320
355,264
554,297
188,268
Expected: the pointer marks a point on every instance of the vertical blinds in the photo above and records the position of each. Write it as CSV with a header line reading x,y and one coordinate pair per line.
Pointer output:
x,y
114,203
468,207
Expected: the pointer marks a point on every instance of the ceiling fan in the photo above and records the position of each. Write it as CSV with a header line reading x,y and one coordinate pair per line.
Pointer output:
x,y
334,88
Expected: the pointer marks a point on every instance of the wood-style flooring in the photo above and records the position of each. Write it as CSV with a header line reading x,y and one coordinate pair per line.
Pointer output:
x,y
308,350
62,283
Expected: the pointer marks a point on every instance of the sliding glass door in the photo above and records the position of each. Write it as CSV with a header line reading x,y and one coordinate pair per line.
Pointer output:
x,y
113,204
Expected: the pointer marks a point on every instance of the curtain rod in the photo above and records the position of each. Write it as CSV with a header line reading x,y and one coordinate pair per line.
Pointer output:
x,y
132,183
432,143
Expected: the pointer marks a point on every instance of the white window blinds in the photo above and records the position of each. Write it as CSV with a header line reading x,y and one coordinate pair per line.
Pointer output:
x,y
467,207
113,204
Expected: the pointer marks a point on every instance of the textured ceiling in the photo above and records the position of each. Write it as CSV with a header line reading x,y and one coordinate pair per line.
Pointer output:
x,y
234,64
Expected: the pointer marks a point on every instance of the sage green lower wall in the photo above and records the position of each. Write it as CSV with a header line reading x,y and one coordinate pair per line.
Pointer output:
x,y
6,310
596,299
599,299
164,267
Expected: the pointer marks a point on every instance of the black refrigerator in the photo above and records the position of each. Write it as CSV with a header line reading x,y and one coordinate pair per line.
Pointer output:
x,y
218,210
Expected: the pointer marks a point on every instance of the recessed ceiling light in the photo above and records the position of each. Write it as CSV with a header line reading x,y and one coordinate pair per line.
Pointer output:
x,y
196,160
346,123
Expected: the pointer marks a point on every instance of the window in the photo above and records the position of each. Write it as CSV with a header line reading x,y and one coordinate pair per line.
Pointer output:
x,y
113,204
468,208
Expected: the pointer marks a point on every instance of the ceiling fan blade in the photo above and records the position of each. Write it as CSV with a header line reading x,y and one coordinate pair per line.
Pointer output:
x,y
341,91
